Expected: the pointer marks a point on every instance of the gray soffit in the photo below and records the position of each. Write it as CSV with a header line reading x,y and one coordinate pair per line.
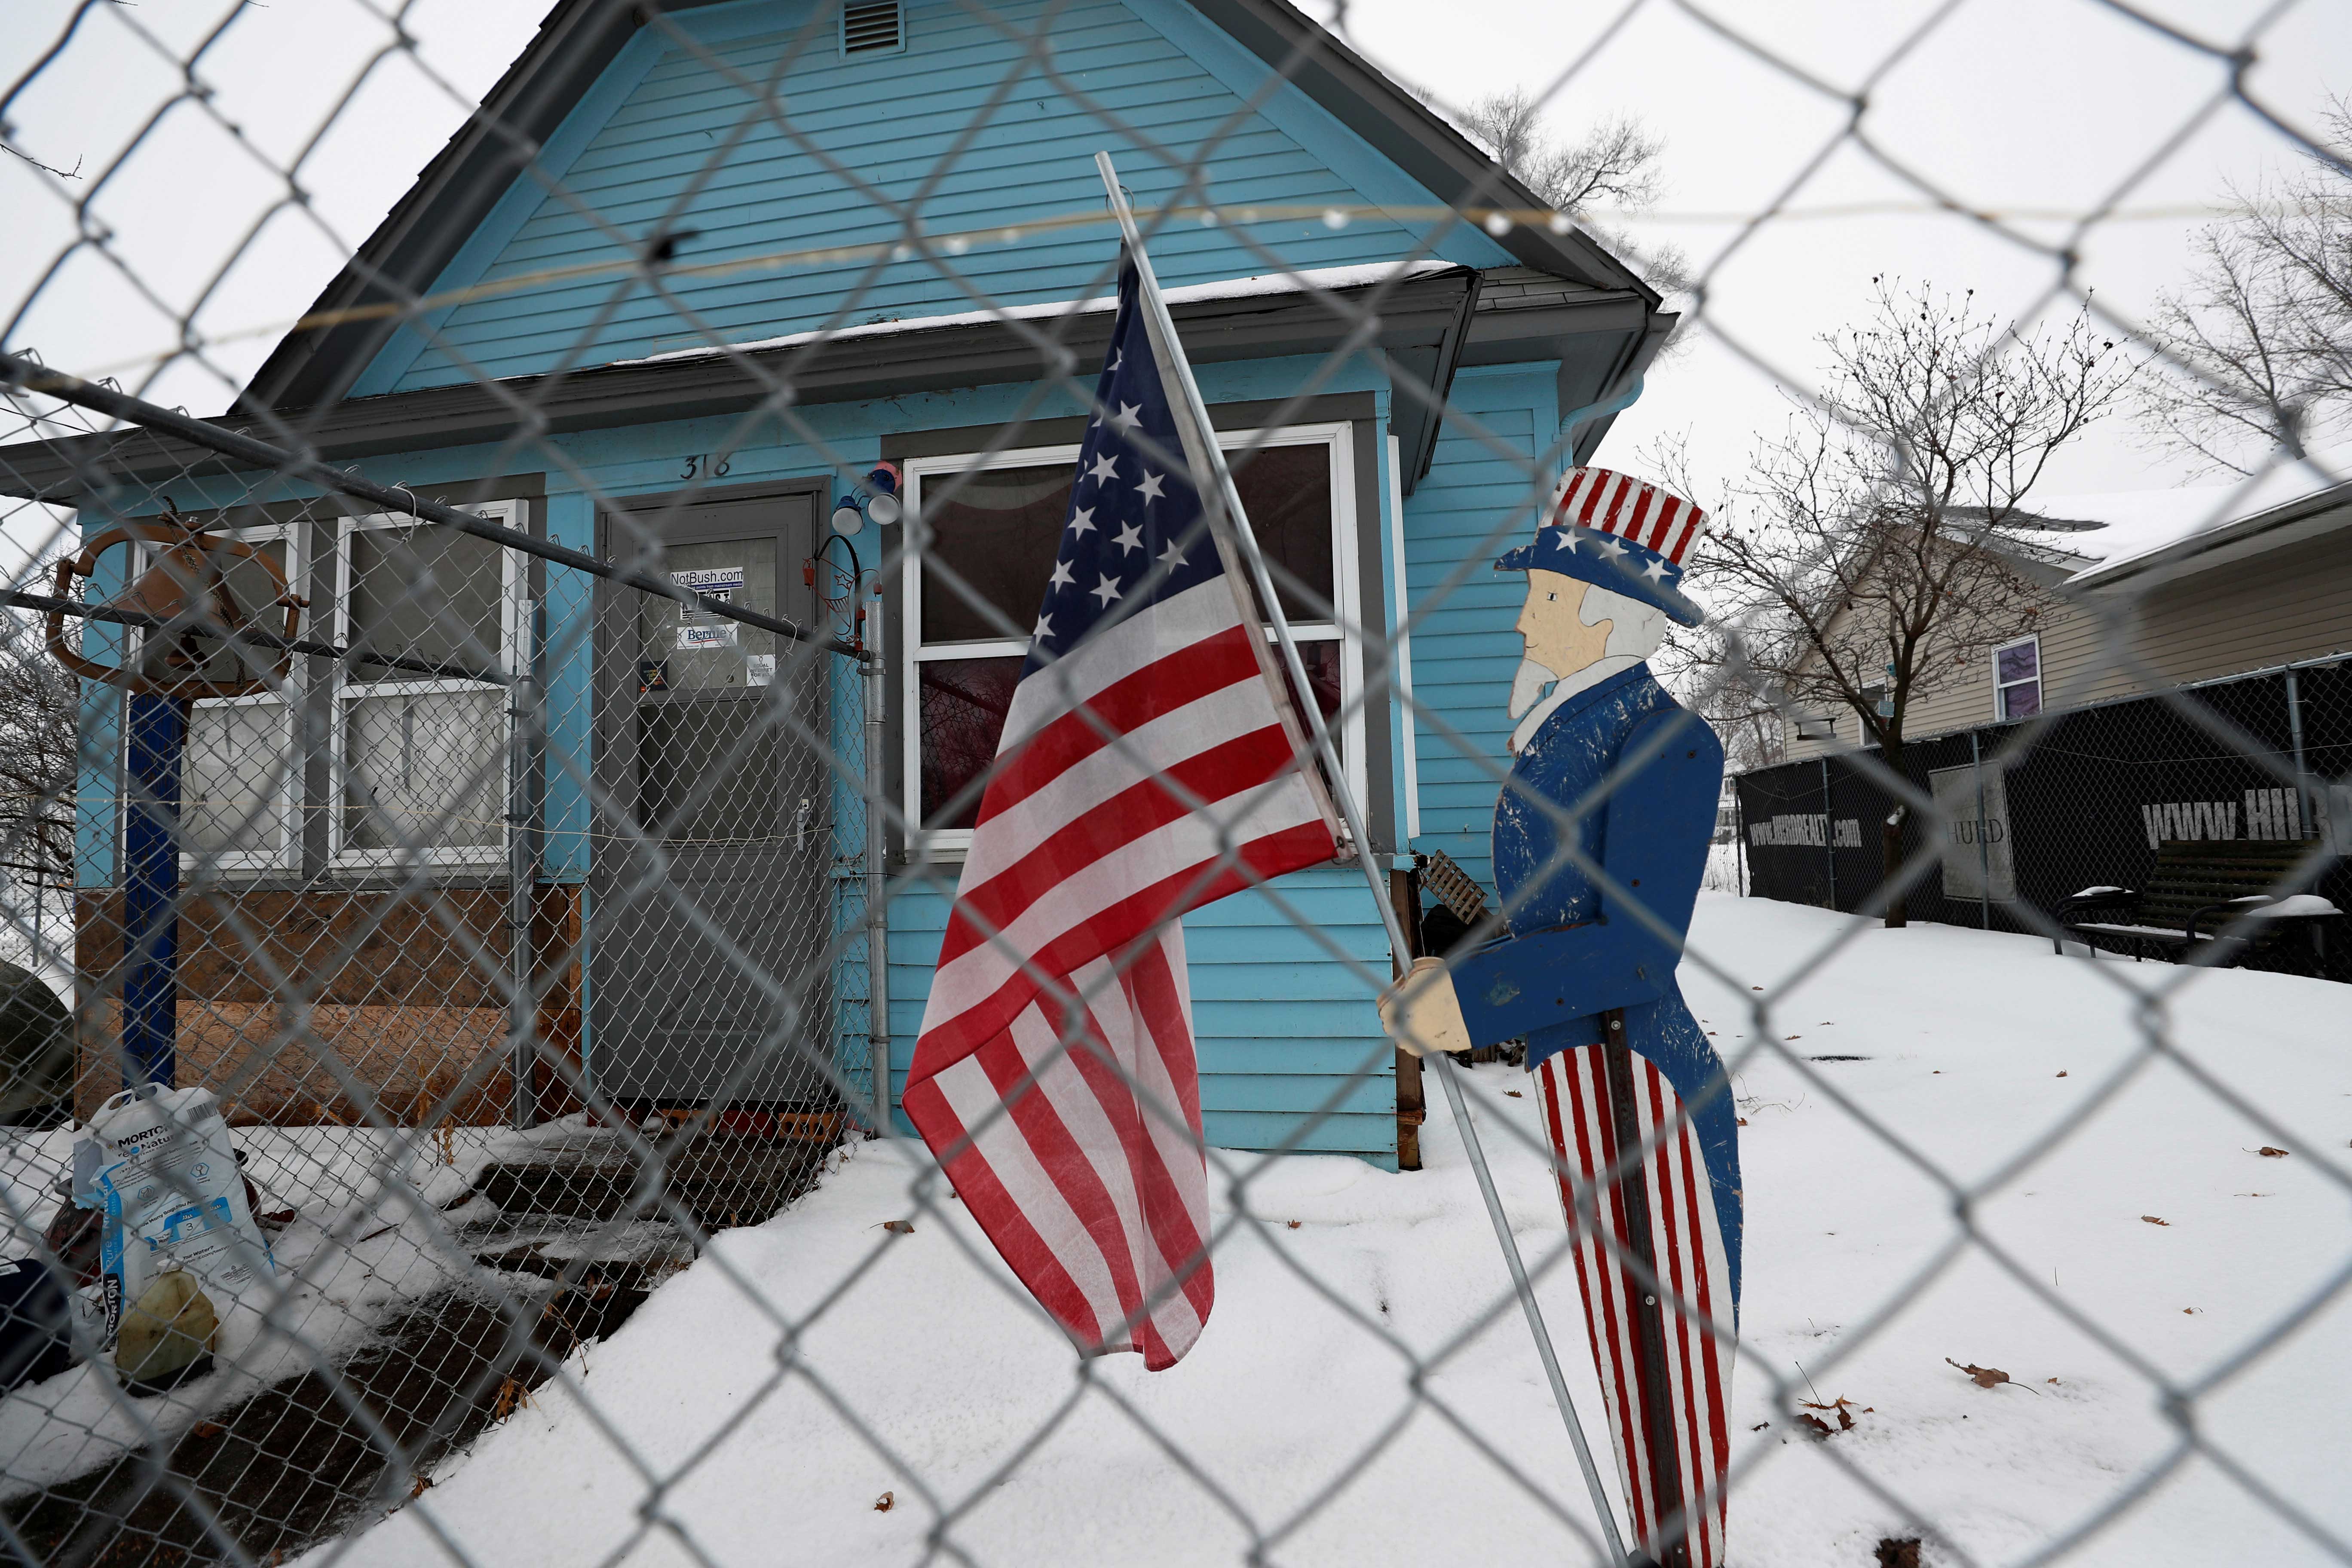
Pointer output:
x,y
1423,326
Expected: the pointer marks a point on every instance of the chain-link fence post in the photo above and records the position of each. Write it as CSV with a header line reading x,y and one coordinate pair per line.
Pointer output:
x,y
877,910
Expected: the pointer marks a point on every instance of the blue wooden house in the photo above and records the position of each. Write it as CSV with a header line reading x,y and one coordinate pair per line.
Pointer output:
x,y
851,198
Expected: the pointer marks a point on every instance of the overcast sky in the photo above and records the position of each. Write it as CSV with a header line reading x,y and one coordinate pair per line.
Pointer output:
x,y
2030,108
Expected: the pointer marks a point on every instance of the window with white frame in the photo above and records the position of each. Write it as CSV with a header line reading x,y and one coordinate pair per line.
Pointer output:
x,y
996,523
2017,678
240,776
421,757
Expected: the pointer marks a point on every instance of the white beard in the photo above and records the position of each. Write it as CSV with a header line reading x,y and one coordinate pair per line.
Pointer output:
x,y
1526,686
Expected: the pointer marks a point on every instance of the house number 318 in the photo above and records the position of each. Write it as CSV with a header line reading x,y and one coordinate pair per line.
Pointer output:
x,y
699,465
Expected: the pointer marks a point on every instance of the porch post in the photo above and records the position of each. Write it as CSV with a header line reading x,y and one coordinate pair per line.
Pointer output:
x,y
151,891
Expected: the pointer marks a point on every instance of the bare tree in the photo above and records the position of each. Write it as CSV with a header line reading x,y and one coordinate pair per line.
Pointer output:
x,y
2261,340
1882,540
39,753
1613,165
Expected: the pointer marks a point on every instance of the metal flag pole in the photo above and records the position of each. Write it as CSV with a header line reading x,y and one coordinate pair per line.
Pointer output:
x,y
1194,410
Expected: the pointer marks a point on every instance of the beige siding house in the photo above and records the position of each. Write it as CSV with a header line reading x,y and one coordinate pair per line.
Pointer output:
x,y
2157,589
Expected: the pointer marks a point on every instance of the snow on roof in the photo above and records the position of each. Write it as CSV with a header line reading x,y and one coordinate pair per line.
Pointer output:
x,y
1322,278
2107,529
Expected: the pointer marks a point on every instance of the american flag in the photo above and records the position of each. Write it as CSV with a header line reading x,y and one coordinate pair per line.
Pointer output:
x,y
1149,764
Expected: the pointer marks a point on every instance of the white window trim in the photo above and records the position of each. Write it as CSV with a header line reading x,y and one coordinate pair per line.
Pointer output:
x,y
950,844
340,855
288,853
1999,685
1401,588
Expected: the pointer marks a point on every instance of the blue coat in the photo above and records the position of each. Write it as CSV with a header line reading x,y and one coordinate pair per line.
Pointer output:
x,y
1577,949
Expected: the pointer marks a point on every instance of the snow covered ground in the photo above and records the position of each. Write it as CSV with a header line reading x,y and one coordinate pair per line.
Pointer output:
x,y
360,1251
917,1373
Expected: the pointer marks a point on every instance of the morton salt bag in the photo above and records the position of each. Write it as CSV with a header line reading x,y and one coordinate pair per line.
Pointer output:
x,y
158,1164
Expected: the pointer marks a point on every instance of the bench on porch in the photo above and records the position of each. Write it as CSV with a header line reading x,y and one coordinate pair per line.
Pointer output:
x,y
2197,889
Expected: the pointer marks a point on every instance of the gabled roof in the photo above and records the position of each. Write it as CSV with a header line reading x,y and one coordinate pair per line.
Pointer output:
x,y
2229,525
418,237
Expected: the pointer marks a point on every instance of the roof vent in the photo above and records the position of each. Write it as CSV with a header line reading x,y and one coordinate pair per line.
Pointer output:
x,y
876,27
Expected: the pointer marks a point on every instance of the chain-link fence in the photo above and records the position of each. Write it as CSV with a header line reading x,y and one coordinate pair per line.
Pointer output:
x,y
491,818
2037,817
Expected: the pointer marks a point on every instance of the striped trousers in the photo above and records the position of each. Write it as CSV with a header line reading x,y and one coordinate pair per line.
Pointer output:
x,y
1657,1295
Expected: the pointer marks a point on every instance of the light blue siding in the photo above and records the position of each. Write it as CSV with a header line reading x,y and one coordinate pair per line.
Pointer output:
x,y
98,766
1464,649
1290,1046
956,132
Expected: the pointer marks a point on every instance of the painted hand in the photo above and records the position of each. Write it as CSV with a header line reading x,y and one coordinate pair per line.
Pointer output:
x,y
1421,1012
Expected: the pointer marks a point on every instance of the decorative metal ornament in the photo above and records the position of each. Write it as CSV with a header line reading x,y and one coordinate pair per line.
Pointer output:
x,y
181,596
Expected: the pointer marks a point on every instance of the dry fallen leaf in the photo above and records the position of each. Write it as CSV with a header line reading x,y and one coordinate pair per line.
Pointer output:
x,y
2267,1153
1515,1094
209,1429
903,1226
1741,1120
1816,1426
886,1502
1759,1425
2188,1312
1293,1224
513,1396
1840,1405
2062,1075
1984,1376
418,1489
2151,1219
2052,1380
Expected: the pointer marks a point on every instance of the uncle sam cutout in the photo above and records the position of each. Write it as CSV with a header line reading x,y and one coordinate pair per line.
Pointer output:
x,y
1601,839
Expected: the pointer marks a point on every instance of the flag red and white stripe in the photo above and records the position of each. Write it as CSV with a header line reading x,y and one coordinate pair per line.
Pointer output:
x,y
1664,1357
1148,764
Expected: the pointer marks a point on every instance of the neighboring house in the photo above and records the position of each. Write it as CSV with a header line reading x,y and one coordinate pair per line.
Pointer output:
x,y
1363,492
2153,589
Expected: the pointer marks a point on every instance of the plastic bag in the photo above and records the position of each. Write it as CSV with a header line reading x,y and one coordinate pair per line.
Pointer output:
x,y
158,1164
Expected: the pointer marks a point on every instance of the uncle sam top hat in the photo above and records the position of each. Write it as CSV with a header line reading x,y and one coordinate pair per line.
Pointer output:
x,y
1617,533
